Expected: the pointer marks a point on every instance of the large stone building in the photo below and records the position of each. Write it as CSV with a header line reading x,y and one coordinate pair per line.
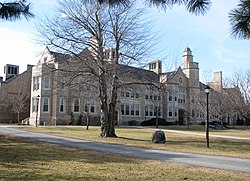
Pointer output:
x,y
15,94
176,96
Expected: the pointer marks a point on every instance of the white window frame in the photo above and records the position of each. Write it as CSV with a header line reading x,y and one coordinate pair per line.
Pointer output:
x,y
46,82
170,109
43,104
73,106
62,103
88,105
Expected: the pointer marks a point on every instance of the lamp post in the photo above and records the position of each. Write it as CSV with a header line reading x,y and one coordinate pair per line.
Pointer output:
x,y
37,105
87,112
207,90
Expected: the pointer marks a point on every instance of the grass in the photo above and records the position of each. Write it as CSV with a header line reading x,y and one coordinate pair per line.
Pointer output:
x,y
22,159
142,138
239,131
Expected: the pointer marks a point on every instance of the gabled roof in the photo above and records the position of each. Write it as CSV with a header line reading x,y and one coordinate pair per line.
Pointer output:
x,y
136,74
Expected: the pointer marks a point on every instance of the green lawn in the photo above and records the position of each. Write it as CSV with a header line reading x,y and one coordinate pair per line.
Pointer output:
x,y
239,131
22,159
142,138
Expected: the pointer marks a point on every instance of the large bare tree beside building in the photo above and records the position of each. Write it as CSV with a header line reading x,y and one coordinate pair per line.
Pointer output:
x,y
89,31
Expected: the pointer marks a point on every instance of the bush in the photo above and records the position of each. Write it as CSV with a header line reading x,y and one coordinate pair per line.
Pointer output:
x,y
151,122
133,123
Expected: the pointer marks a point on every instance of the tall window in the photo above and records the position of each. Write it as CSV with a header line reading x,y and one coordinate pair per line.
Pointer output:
x,y
34,83
127,109
89,106
38,83
76,105
62,105
170,111
122,109
46,82
170,96
130,110
137,110
45,102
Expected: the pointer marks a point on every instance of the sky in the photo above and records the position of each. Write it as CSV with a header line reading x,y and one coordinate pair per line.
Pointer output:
x,y
208,37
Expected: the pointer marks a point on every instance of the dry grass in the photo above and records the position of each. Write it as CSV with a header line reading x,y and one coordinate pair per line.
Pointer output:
x,y
142,138
239,131
22,159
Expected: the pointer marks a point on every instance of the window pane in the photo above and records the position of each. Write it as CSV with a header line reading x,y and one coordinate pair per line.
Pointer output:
x,y
76,105
127,109
122,109
46,82
137,111
45,104
61,104
132,111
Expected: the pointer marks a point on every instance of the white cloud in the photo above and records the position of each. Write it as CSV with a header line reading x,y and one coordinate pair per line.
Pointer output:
x,y
16,48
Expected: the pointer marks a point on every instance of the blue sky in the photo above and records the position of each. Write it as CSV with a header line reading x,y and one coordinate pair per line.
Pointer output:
x,y
208,37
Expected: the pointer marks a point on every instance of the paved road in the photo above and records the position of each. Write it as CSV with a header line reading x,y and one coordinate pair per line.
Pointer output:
x,y
220,162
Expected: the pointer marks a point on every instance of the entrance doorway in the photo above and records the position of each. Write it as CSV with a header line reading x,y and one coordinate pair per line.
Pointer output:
x,y
181,116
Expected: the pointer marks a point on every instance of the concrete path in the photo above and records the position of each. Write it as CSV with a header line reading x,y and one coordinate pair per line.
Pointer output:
x,y
235,164
194,133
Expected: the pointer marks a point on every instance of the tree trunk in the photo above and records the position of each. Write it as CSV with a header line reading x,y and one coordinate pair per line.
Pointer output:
x,y
104,107
112,107
156,119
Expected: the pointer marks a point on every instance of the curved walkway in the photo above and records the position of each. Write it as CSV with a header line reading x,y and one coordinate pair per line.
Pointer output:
x,y
235,164
194,133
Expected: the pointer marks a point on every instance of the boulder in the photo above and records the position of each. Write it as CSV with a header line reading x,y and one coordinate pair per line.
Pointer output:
x,y
158,137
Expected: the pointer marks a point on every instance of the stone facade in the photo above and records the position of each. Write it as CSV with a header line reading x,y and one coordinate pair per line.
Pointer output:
x,y
176,96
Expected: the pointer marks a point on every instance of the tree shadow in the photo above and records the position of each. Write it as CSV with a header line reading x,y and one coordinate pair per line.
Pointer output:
x,y
134,139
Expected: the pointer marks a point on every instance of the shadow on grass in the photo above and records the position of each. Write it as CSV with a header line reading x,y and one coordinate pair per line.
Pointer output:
x,y
135,139
19,150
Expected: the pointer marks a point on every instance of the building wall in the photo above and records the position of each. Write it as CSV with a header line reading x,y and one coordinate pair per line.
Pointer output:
x,y
177,99
11,89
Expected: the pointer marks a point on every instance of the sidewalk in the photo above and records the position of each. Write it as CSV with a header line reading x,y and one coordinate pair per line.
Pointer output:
x,y
193,133
220,162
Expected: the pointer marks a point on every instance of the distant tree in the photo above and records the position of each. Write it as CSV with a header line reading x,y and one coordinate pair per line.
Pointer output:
x,y
239,96
12,11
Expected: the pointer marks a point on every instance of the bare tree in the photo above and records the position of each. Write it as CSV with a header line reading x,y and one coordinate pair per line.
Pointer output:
x,y
85,31
239,95
18,103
